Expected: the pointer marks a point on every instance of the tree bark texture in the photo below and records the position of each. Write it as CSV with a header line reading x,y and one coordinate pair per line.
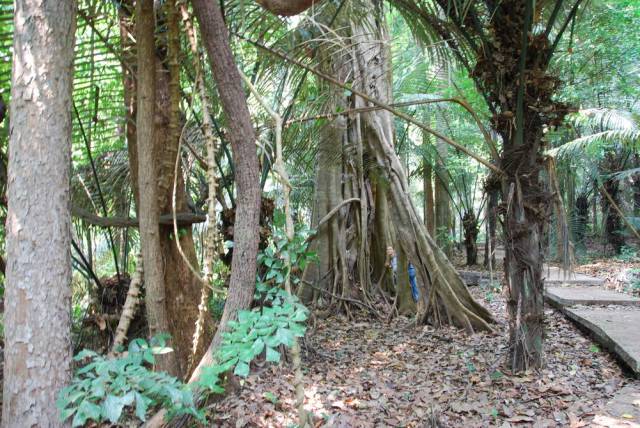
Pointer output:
x,y
512,72
342,241
37,348
442,201
429,205
148,170
442,292
182,288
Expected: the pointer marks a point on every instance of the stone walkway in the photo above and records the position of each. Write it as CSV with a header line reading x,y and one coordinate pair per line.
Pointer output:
x,y
622,411
611,318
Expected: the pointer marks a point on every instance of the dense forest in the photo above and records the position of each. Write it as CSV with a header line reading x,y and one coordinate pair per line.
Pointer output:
x,y
311,213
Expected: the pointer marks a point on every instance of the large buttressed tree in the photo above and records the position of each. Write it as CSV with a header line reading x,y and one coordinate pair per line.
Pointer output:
x,y
37,348
507,47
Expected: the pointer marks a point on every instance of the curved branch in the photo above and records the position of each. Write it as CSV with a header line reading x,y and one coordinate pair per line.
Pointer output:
x,y
287,7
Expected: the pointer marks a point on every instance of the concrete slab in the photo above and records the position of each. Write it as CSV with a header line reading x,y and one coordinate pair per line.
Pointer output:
x,y
622,411
617,329
560,296
554,275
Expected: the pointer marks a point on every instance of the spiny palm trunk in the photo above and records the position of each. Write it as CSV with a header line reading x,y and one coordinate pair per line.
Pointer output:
x,y
521,95
470,227
524,229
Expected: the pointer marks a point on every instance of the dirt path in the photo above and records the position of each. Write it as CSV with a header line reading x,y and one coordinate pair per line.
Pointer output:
x,y
369,374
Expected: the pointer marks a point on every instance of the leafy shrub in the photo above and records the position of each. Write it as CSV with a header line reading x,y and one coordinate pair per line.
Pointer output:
x,y
277,321
634,281
103,388
627,254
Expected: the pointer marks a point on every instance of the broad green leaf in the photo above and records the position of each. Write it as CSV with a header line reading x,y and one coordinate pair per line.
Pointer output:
x,y
273,356
141,407
242,369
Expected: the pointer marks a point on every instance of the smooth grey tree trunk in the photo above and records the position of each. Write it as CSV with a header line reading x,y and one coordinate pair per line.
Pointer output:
x,y
37,320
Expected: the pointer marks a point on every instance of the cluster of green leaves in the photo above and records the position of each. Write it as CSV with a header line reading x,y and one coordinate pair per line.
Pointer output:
x,y
257,331
279,318
103,388
280,248
628,254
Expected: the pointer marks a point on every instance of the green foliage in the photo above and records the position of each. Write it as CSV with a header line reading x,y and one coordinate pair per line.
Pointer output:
x,y
103,388
491,290
276,322
634,281
274,257
627,254
216,302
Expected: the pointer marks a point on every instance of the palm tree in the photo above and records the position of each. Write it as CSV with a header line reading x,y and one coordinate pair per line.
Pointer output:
x,y
506,46
607,147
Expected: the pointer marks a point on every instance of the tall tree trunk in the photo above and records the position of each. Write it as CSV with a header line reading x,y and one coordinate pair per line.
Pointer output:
x,y
37,324
492,189
429,205
581,217
442,199
340,178
149,214
331,272
382,236
512,71
245,158
470,227
182,288
442,294
613,226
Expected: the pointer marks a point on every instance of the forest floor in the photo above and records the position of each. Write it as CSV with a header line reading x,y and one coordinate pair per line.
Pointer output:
x,y
373,374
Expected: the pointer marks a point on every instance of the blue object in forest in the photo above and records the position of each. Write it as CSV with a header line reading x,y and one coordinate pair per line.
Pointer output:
x,y
414,284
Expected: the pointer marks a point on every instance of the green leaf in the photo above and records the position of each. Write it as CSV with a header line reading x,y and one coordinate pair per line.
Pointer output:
x,y
284,336
257,347
271,397
496,375
87,411
112,406
298,330
242,369
273,356
594,348
141,407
